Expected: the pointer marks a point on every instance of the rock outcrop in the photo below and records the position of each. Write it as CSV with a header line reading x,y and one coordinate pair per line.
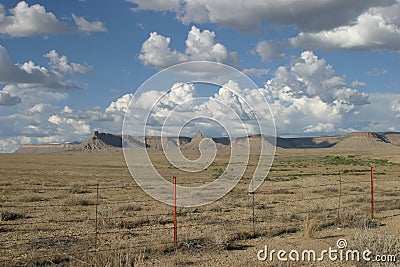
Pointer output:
x,y
100,141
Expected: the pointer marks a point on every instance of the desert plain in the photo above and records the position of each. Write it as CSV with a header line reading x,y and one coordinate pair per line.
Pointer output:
x,y
83,208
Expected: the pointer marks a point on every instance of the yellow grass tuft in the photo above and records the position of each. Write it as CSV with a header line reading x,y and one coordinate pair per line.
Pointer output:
x,y
311,226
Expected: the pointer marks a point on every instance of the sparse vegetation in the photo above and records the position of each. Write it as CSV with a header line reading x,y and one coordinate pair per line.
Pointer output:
x,y
132,224
355,161
10,215
282,191
390,204
357,218
79,201
218,172
381,244
356,171
118,257
311,226
31,198
332,189
343,160
56,211
78,189
130,207
355,189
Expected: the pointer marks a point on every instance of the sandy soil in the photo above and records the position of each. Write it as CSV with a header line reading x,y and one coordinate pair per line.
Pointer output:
x,y
84,208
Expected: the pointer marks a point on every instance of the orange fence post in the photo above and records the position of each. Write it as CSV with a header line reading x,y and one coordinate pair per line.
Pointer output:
x,y
175,221
372,192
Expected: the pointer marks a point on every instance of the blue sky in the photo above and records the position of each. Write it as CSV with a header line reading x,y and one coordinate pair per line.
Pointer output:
x,y
70,67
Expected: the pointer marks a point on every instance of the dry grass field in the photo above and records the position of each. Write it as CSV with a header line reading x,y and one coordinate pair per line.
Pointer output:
x,y
84,209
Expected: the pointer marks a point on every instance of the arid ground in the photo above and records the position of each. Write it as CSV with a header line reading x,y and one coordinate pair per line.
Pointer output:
x,y
84,208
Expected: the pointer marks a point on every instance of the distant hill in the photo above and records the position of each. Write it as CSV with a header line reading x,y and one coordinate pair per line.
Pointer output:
x,y
393,138
308,142
106,141
46,148
364,140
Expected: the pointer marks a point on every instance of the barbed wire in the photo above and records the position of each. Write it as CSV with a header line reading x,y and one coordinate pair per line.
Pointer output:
x,y
94,188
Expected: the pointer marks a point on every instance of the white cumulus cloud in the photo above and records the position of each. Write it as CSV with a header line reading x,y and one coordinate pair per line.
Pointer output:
x,y
378,28
38,119
61,63
174,111
320,128
25,20
329,24
30,75
78,127
307,15
31,96
269,50
120,105
200,45
155,51
308,95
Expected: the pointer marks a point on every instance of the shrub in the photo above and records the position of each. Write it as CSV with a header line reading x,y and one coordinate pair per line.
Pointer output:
x,y
78,201
10,216
78,189
130,207
378,244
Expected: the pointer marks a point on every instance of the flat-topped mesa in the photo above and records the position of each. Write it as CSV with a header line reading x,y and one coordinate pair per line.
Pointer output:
x,y
46,148
364,140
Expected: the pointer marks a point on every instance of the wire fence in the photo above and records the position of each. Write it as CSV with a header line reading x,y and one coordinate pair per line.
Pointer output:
x,y
49,225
